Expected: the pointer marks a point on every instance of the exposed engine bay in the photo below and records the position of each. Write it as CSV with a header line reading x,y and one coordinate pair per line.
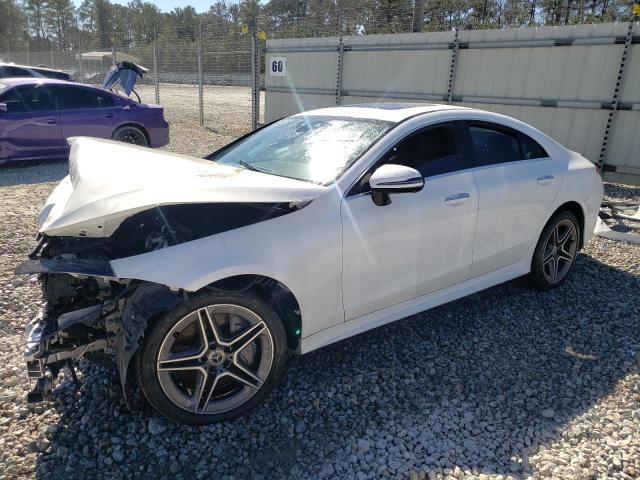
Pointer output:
x,y
88,309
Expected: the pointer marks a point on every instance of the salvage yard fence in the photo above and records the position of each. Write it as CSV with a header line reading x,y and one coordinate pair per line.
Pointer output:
x,y
207,80
578,83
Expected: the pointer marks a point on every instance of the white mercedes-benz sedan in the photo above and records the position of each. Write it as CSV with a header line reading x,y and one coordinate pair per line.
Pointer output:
x,y
200,275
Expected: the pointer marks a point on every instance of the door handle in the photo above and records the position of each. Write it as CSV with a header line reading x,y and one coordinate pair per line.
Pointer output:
x,y
108,115
457,198
545,179
51,121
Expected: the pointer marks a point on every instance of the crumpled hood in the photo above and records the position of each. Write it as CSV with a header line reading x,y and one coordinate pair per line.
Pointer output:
x,y
109,181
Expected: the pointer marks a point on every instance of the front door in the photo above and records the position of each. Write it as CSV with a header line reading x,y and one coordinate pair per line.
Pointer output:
x,y
420,242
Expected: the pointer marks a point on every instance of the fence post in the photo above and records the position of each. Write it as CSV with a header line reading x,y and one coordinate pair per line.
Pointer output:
x,y
156,85
340,68
255,76
79,76
340,60
200,96
28,53
78,49
113,50
53,62
608,131
452,68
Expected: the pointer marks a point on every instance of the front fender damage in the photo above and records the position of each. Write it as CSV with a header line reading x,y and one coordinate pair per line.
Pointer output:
x,y
90,309
147,302
115,322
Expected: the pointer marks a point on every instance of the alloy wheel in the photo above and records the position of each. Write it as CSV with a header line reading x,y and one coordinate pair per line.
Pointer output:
x,y
131,136
559,251
215,359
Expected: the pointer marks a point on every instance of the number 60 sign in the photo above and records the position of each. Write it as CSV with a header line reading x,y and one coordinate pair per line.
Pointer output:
x,y
277,66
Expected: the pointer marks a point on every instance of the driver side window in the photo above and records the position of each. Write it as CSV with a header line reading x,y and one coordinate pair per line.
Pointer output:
x,y
432,151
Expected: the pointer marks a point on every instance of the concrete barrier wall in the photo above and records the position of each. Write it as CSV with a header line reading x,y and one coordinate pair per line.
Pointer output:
x,y
559,79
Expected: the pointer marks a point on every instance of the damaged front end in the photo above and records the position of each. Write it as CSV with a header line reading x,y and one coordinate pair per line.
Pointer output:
x,y
120,203
87,310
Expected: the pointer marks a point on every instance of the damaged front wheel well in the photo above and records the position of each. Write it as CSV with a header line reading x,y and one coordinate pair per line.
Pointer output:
x,y
272,292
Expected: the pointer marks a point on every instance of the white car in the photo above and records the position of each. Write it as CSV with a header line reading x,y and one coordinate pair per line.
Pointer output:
x,y
202,274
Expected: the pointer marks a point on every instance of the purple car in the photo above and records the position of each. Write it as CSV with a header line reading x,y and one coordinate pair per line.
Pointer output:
x,y
38,115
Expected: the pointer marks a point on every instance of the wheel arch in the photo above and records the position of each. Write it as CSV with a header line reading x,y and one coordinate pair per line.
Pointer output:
x,y
271,291
575,208
136,125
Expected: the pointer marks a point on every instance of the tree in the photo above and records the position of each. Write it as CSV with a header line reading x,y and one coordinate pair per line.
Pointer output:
x,y
13,33
36,11
60,20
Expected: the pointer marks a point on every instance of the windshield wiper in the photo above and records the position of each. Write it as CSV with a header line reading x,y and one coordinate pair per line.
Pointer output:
x,y
251,167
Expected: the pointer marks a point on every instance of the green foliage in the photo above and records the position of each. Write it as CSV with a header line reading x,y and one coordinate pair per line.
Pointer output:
x,y
99,24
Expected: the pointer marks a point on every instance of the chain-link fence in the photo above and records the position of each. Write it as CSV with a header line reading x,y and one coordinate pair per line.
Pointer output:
x,y
210,80
207,69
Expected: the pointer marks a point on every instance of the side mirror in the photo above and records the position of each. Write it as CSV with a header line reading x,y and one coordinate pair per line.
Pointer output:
x,y
3,107
391,178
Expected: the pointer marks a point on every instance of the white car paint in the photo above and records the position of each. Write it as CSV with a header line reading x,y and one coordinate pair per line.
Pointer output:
x,y
109,181
351,265
415,245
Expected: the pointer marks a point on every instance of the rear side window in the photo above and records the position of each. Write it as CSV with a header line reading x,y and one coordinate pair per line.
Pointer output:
x,y
75,98
432,151
54,74
494,144
28,98
530,148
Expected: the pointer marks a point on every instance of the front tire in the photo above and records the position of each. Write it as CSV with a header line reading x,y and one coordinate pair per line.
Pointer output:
x,y
213,358
555,252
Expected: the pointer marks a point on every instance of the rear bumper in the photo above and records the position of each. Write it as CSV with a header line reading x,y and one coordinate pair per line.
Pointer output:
x,y
159,137
591,208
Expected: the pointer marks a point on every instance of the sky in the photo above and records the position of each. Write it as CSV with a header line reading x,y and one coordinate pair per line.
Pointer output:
x,y
168,5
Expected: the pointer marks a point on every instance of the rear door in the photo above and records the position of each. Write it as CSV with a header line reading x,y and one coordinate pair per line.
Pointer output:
x,y
30,128
86,112
517,183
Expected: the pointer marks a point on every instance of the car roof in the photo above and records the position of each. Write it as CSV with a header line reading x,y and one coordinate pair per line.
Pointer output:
x,y
30,67
389,111
14,81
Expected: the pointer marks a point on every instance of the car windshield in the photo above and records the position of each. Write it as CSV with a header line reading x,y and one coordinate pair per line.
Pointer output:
x,y
312,148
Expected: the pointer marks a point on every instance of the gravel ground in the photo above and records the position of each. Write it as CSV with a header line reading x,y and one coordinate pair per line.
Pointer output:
x,y
226,113
507,383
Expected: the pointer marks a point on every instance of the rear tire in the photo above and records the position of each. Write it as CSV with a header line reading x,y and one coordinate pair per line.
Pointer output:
x,y
213,358
130,134
555,252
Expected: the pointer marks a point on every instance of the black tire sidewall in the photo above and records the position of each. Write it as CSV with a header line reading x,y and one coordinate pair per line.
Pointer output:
x,y
537,275
119,130
146,358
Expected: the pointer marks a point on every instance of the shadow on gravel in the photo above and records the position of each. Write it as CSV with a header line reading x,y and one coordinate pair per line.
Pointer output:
x,y
479,383
28,172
